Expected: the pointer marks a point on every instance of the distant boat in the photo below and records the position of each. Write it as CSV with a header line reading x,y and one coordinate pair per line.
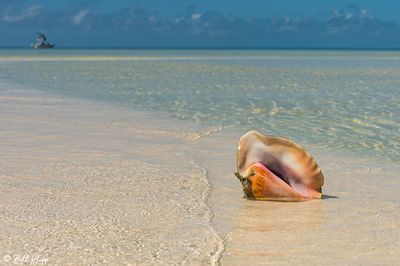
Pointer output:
x,y
41,42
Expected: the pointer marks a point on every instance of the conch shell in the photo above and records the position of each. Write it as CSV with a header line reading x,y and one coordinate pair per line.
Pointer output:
x,y
276,168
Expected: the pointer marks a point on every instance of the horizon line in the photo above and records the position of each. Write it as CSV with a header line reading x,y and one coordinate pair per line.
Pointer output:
x,y
205,48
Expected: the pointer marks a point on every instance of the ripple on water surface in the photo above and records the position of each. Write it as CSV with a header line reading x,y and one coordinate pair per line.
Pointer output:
x,y
340,100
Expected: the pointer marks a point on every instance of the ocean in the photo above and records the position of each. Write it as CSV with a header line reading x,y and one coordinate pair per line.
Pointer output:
x,y
342,100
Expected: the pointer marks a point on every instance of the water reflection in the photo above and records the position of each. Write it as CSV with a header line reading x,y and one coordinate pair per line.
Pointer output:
x,y
268,228
261,216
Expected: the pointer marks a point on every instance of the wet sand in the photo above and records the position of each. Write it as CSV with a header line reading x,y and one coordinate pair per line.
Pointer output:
x,y
89,182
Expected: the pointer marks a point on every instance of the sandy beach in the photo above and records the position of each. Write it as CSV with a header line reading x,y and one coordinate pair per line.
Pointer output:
x,y
89,183
86,182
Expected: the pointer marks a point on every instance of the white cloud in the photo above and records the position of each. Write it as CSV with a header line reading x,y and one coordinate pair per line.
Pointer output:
x,y
348,16
26,13
78,18
179,19
196,16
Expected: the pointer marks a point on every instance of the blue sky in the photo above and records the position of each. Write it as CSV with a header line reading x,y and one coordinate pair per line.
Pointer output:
x,y
203,23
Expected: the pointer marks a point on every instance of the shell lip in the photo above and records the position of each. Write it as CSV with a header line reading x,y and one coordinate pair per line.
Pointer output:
x,y
297,188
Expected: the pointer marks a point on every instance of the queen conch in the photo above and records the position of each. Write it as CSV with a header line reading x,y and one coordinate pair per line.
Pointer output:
x,y
276,168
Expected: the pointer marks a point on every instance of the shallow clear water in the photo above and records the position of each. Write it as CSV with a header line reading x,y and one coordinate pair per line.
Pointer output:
x,y
341,100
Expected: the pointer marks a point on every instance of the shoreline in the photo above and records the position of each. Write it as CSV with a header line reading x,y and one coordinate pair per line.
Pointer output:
x,y
156,194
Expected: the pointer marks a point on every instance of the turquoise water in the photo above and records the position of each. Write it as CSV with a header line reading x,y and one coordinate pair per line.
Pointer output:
x,y
341,100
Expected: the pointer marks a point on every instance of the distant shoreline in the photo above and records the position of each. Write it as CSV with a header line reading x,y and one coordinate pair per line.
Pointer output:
x,y
210,48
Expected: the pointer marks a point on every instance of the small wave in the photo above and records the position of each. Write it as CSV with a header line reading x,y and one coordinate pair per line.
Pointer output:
x,y
217,241
206,133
